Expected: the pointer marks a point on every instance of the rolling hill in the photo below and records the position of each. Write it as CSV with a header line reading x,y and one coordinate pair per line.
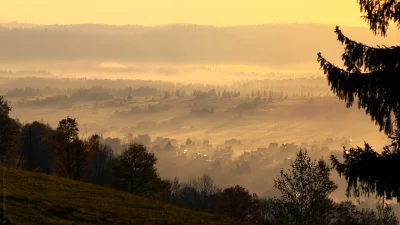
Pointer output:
x,y
34,198
270,44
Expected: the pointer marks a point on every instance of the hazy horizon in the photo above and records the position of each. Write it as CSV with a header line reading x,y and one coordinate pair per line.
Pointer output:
x,y
141,51
21,23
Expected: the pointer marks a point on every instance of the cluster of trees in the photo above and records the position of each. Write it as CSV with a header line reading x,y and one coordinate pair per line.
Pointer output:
x,y
66,97
229,94
23,92
179,93
116,88
213,93
38,147
308,94
62,101
281,95
25,72
264,94
33,92
141,91
96,93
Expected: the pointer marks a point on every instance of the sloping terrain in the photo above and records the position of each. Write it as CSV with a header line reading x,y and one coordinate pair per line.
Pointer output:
x,y
34,198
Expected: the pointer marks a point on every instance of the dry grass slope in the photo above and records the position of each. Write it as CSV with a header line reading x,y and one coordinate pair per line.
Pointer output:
x,y
34,198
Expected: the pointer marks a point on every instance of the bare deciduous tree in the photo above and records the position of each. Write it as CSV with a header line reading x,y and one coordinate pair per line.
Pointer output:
x,y
305,189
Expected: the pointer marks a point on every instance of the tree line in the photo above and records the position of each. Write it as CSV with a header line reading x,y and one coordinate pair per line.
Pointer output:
x,y
38,87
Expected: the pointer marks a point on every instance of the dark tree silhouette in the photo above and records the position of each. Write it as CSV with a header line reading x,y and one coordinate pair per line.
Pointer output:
x,y
136,170
68,128
236,202
100,159
206,192
370,75
65,142
9,132
34,150
175,187
79,159
4,107
346,213
189,142
305,190
370,72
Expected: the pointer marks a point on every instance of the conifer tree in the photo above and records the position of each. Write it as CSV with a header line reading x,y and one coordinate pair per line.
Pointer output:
x,y
369,74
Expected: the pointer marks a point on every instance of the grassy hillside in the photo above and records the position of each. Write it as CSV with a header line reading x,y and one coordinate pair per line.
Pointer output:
x,y
34,198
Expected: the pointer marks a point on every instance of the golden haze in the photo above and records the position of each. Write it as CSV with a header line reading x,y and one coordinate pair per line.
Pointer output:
x,y
205,12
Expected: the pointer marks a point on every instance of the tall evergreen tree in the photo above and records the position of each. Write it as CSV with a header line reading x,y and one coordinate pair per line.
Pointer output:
x,y
370,75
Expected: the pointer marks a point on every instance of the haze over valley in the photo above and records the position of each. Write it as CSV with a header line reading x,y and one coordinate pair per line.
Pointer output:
x,y
87,72
223,108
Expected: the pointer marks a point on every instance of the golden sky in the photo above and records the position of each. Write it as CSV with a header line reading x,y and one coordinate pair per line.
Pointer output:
x,y
205,12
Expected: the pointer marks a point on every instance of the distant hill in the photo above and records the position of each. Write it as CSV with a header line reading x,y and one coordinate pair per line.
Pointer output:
x,y
34,198
270,44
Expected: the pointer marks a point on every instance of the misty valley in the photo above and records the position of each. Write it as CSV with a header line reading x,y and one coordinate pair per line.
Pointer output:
x,y
241,133
201,124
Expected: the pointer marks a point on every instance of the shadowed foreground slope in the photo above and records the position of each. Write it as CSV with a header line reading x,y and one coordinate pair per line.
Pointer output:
x,y
34,198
